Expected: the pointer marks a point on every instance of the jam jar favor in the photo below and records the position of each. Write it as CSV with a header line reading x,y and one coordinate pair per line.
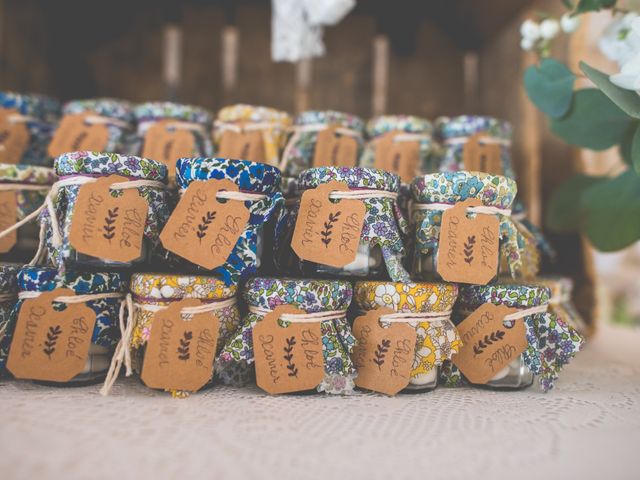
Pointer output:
x,y
30,185
39,115
437,338
381,251
35,280
8,300
560,302
257,180
83,165
262,295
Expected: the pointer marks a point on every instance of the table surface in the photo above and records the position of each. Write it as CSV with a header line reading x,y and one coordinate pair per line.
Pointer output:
x,y
588,427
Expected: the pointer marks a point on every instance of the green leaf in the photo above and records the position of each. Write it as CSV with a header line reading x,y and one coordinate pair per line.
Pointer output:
x,y
563,212
611,212
568,4
627,100
593,121
627,141
635,150
550,87
594,5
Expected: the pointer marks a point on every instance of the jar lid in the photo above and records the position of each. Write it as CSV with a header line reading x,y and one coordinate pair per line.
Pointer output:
x,y
452,187
100,163
330,117
404,123
561,287
510,294
10,173
170,110
155,286
253,113
8,277
354,177
42,107
249,176
308,295
107,107
467,125
44,279
406,297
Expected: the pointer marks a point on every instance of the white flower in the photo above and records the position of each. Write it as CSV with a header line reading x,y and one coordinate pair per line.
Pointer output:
x,y
569,23
549,28
387,295
530,29
621,39
527,44
629,76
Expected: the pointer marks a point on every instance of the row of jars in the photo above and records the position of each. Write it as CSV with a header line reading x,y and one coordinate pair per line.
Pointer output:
x,y
552,337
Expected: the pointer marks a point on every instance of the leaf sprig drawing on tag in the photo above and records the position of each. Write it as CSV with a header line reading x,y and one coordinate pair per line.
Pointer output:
x,y
52,340
487,340
167,150
185,343
204,226
109,227
288,356
328,227
468,249
77,142
381,349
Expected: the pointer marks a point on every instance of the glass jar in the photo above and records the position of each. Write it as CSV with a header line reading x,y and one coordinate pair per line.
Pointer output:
x,y
444,189
106,332
39,114
27,200
247,256
381,251
560,302
436,341
8,300
151,290
96,164
551,341
235,363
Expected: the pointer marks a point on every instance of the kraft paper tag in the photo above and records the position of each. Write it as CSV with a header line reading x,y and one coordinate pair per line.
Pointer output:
x,y
326,232
288,359
383,356
104,226
489,345
181,348
243,145
48,344
76,134
482,157
8,218
14,137
202,228
401,158
335,150
468,247
166,144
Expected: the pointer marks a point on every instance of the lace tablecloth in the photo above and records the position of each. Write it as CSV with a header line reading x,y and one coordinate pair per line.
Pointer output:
x,y
588,427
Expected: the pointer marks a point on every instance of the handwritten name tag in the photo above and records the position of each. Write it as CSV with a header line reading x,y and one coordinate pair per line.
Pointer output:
x,y
8,217
383,356
468,250
14,137
167,144
288,359
334,149
244,145
181,349
106,226
75,133
478,156
401,158
328,232
488,344
48,344
202,228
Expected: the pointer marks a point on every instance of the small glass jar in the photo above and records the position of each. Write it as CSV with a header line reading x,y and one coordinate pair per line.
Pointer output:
x,y
436,341
561,303
96,164
449,188
8,300
272,124
247,256
106,332
117,116
381,251
27,201
40,115
151,290
235,363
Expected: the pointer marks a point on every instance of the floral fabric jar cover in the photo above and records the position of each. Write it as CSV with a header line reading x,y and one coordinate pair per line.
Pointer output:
x,y
251,177
436,342
8,300
560,302
235,363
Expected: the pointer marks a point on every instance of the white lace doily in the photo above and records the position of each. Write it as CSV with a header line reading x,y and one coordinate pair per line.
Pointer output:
x,y
588,427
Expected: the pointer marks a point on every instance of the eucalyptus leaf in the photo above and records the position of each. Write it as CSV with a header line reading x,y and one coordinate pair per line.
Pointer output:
x,y
563,212
611,211
627,100
593,121
550,87
635,152
627,141
594,5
